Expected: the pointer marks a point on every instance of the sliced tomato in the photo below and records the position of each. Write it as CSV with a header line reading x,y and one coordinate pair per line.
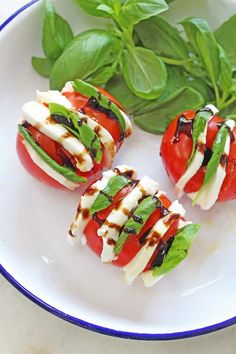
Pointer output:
x,y
175,156
112,125
132,244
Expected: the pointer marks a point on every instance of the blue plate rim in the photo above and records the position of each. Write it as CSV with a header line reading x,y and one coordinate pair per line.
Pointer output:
x,y
91,326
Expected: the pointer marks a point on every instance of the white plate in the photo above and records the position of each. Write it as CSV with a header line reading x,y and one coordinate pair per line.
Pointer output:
x,y
197,297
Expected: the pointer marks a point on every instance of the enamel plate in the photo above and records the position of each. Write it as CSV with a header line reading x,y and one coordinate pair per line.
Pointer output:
x,y
197,297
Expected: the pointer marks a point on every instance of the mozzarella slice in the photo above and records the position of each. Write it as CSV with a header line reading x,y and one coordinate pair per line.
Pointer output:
x,y
53,96
210,192
68,87
82,216
141,259
39,117
48,169
110,229
197,160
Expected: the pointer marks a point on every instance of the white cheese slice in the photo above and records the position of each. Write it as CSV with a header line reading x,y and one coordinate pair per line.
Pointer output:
x,y
80,221
38,116
68,87
53,96
128,125
210,192
48,169
141,259
197,160
118,216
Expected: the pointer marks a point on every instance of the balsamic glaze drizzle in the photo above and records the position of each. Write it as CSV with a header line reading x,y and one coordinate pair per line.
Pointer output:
x,y
163,250
184,126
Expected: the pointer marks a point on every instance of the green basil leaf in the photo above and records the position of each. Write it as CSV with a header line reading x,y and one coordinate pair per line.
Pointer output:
x,y
158,35
64,171
82,131
225,76
104,198
107,9
57,33
86,53
179,249
142,213
144,72
217,152
201,86
43,66
200,121
156,121
102,76
90,91
225,36
92,7
134,11
203,41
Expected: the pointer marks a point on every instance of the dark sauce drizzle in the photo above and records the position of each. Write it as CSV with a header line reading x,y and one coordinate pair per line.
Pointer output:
x,y
94,104
162,253
184,126
60,119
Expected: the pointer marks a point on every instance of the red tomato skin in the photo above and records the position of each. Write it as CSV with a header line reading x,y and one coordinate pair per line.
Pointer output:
x,y
132,244
36,172
50,147
175,157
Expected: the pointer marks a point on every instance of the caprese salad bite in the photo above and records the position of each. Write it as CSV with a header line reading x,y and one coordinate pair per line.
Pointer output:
x,y
67,138
199,154
132,224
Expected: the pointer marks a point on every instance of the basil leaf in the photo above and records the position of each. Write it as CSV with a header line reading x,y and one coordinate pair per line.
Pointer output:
x,y
201,86
200,121
104,198
57,33
92,7
90,91
158,35
102,76
133,11
203,41
225,76
64,171
86,53
107,9
225,36
144,72
179,249
217,152
82,131
183,99
142,213
43,66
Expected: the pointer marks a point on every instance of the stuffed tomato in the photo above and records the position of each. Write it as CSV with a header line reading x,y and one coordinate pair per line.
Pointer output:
x,y
132,224
199,154
67,138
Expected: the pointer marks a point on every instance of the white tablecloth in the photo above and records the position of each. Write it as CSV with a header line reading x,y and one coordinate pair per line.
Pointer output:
x,y
27,329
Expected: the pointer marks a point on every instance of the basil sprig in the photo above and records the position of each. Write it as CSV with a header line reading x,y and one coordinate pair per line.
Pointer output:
x,y
179,249
80,129
64,171
199,124
104,198
90,91
136,221
217,151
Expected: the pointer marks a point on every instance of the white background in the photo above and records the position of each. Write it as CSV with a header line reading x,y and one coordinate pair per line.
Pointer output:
x,y
27,329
